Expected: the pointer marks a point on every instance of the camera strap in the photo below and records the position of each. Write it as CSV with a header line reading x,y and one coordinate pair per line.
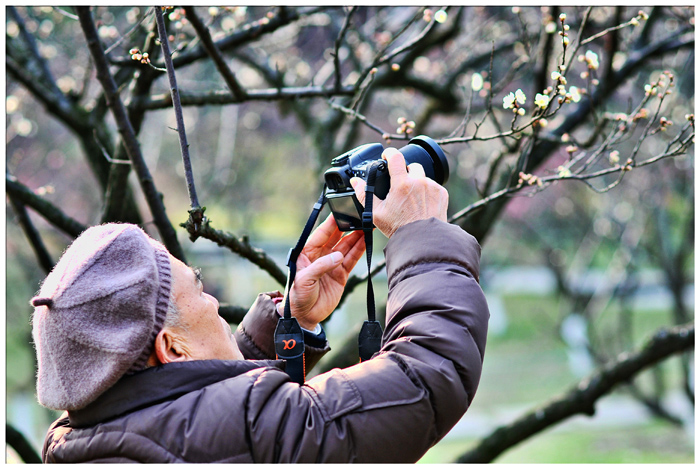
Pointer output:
x,y
289,338
370,338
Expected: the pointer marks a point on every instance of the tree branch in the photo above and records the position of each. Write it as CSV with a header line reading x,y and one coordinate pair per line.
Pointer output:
x,y
20,444
53,105
338,43
480,224
153,197
240,246
232,314
581,399
118,184
162,101
245,34
46,75
30,231
43,207
215,54
196,212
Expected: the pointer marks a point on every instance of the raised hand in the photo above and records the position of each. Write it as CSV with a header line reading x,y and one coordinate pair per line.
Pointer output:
x,y
412,196
323,268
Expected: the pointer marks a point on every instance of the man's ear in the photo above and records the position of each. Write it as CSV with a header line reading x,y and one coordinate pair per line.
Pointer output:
x,y
169,347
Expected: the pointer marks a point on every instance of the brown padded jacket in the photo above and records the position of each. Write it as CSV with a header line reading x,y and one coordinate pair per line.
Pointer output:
x,y
391,408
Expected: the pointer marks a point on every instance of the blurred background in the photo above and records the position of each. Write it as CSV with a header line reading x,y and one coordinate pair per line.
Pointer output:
x,y
576,272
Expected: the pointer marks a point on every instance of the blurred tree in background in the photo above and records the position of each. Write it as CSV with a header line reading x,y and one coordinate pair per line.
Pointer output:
x,y
569,131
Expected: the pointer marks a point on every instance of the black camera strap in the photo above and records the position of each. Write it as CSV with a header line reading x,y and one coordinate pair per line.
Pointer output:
x,y
289,338
370,339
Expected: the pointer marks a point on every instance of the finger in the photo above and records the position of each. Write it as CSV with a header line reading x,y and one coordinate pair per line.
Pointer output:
x,y
319,268
416,170
356,251
345,244
359,185
326,234
353,241
396,163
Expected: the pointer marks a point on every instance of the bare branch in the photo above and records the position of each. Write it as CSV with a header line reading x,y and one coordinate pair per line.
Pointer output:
x,y
581,399
224,97
633,21
153,197
356,115
53,105
129,32
244,35
240,246
232,314
215,54
380,58
32,234
43,207
196,213
338,42
118,183
46,75
20,444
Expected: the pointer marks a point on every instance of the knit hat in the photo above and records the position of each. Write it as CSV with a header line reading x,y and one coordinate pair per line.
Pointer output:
x,y
98,313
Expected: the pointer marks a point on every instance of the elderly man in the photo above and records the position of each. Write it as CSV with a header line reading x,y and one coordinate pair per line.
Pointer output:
x,y
136,353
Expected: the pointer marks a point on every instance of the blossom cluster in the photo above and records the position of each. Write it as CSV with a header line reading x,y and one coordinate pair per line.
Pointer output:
x,y
142,57
405,126
514,101
530,179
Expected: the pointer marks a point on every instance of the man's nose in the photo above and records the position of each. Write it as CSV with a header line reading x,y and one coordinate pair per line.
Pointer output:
x,y
214,300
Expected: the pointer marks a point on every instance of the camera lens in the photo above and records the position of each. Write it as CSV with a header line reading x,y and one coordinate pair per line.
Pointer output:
x,y
427,153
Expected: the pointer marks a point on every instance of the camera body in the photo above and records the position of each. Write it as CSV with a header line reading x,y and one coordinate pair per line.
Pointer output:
x,y
346,208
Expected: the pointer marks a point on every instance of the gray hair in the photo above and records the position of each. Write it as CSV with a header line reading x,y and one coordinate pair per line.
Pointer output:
x,y
173,319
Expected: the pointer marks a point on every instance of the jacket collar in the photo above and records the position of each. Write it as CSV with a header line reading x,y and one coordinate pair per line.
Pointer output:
x,y
159,384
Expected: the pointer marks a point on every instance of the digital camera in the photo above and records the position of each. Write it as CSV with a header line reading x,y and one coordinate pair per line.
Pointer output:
x,y
346,208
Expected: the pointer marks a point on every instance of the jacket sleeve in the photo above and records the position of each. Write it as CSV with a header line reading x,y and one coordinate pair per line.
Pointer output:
x,y
397,405
254,335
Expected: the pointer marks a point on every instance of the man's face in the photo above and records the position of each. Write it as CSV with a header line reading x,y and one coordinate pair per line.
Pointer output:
x,y
205,335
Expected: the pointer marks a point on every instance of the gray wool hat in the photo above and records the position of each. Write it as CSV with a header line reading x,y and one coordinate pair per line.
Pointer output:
x,y
98,313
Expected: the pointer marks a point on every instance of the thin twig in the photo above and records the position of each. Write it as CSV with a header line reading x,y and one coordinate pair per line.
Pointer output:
x,y
381,58
243,35
606,31
105,153
129,32
196,212
356,115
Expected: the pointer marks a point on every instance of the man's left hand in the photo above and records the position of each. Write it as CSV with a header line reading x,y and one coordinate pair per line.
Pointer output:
x,y
323,268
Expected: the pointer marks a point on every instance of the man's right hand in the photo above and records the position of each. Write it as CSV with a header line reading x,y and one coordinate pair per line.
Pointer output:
x,y
412,196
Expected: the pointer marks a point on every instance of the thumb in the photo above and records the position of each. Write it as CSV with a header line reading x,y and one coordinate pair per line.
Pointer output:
x,y
359,185
319,268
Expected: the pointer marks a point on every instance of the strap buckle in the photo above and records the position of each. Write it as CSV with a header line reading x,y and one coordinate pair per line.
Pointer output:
x,y
370,339
289,346
367,221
